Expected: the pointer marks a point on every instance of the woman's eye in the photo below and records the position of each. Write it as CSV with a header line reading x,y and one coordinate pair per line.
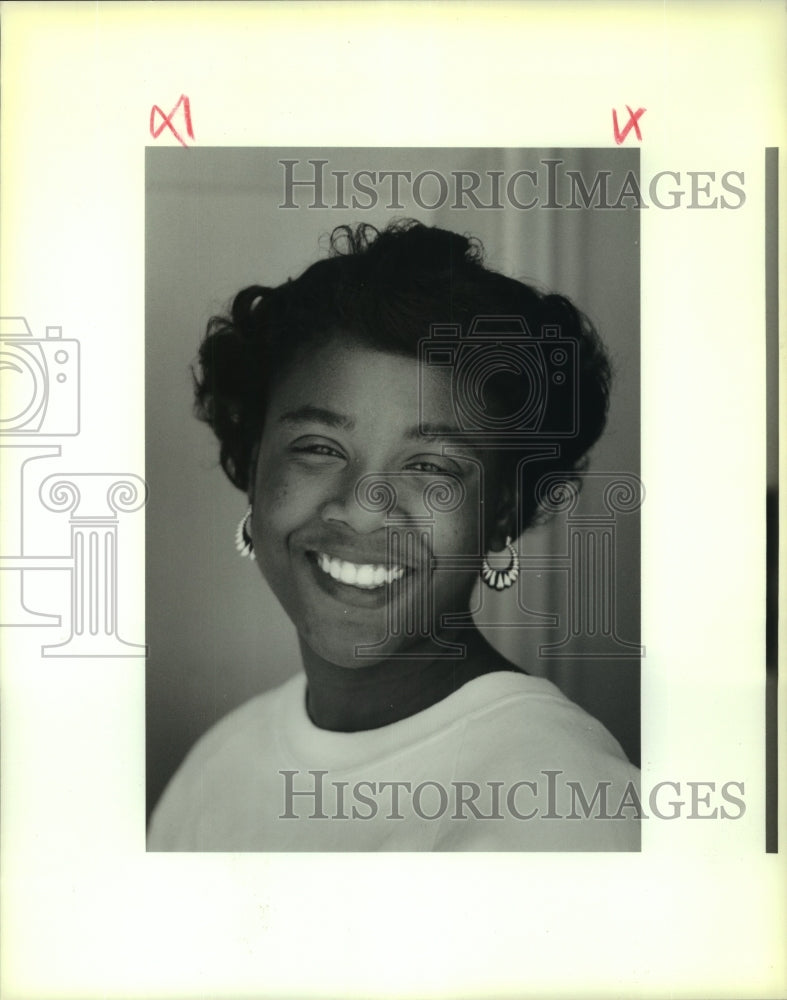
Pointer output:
x,y
424,465
318,449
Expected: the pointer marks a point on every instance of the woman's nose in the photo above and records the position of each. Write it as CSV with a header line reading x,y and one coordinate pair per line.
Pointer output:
x,y
363,502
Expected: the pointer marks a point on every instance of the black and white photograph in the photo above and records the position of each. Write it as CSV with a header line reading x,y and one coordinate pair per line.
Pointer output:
x,y
390,453
434,449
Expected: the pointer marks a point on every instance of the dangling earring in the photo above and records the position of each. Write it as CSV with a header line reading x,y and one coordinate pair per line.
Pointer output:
x,y
243,540
501,579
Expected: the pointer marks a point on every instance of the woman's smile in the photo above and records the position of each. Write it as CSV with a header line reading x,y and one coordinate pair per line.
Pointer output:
x,y
365,576
364,586
372,578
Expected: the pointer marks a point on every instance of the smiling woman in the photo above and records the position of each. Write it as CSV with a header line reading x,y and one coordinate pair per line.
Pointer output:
x,y
389,415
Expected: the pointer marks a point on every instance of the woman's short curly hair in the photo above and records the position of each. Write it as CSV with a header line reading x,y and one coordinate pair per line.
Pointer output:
x,y
386,289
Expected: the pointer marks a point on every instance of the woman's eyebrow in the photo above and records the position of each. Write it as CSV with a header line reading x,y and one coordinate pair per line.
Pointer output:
x,y
432,431
317,415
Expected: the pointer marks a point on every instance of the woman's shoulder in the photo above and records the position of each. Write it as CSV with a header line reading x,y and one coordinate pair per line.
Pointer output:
x,y
212,766
527,706
248,723
516,713
557,778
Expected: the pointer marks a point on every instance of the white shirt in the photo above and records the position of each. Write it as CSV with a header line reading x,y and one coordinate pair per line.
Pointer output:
x,y
506,763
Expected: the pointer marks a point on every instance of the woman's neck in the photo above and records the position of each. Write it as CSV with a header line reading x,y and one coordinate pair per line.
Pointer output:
x,y
351,699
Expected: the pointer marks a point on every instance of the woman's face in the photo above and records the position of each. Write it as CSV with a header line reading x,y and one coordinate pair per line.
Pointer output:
x,y
351,567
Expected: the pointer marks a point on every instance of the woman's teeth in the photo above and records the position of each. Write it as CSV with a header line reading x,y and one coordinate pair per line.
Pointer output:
x,y
367,577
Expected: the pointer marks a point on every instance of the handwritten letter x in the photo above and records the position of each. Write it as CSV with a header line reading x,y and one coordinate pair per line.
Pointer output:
x,y
167,120
634,117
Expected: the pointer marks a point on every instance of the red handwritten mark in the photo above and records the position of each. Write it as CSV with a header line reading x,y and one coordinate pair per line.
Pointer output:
x,y
634,117
167,120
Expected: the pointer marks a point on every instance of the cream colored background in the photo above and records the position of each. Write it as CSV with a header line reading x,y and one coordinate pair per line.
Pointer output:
x,y
86,913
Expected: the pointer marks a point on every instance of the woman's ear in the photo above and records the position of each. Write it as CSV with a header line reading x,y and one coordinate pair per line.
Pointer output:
x,y
255,454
